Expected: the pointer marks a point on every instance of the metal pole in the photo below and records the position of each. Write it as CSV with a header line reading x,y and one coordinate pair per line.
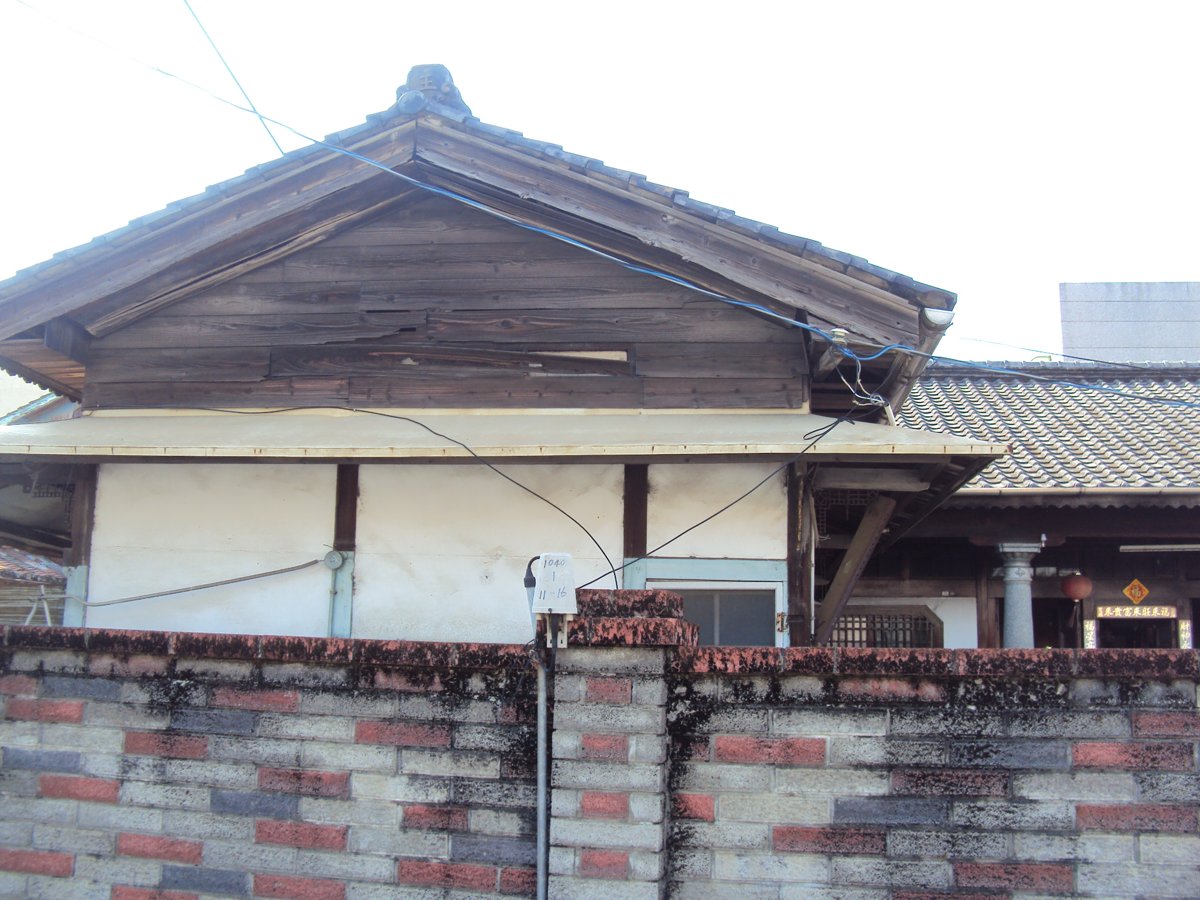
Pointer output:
x,y
543,771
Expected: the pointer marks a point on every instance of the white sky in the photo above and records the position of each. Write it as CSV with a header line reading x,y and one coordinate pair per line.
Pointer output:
x,y
993,149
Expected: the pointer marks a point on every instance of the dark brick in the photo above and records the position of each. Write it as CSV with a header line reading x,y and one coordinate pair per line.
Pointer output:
x,y
501,851
209,881
629,604
1054,878
214,646
42,760
950,783
895,661
1016,663
1031,754
1136,663
946,722
214,721
317,650
80,688
807,839
242,803
890,811
128,643
1018,693
45,637
1170,787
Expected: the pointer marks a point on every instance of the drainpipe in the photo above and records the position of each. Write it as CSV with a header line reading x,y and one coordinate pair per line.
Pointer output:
x,y
543,772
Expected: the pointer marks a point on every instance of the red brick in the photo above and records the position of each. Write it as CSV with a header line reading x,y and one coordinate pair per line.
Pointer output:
x,y
124,892
1166,724
177,746
18,685
263,701
152,847
606,747
309,783
947,895
949,783
604,863
891,689
693,806
438,818
402,734
76,787
780,751
1105,755
44,710
300,834
604,805
1135,817
1053,877
298,888
804,839
518,881
608,690
37,862
453,875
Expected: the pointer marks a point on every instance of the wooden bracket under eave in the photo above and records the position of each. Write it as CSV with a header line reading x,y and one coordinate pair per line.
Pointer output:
x,y
67,338
855,559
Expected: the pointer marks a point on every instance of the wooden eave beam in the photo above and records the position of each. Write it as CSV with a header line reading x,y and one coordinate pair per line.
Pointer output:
x,y
41,380
870,529
872,479
103,272
34,540
67,338
801,284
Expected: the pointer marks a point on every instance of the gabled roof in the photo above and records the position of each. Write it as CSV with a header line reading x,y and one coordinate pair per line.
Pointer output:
x,y
314,192
1070,441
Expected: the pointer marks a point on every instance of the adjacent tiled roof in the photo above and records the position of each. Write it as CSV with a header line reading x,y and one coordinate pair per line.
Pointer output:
x,y
17,565
1065,437
853,266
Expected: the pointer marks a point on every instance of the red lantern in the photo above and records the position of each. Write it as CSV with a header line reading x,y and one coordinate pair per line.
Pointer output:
x,y
1077,587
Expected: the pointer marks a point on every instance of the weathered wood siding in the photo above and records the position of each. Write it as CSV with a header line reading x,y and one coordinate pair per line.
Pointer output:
x,y
439,305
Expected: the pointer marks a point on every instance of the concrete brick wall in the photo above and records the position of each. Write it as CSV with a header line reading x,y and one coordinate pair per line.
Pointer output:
x,y
150,765
898,775
138,762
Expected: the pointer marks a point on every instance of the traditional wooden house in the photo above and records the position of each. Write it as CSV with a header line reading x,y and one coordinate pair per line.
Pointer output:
x,y
1097,483
355,389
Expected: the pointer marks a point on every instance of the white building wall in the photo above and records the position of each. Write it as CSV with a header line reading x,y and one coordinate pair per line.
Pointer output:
x,y
441,550
162,526
682,495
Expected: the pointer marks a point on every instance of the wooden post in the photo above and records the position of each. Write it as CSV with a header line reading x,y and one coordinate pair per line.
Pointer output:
x,y
637,493
345,528
870,529
797,560
77,558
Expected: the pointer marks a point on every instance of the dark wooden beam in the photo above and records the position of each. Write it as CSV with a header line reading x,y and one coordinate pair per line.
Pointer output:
x,y
870,529
33,540
66,337
637,493
83,514
863,479
345,519
797,570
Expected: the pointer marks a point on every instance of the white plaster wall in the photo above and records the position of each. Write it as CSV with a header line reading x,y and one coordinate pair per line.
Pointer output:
x,y
441,550
162,526
682,495
959,628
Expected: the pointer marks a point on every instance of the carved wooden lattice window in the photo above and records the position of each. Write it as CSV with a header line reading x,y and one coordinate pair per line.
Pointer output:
x,y
887,626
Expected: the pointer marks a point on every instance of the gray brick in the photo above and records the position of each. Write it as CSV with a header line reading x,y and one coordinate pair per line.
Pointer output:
x,y
48,661
13,885
606,776
1128,880
649,692
405,788
1171,695
28,809
253,803
494,738
377,813
814,892
946,722
26,735
566,744
721,835
646,807
169,796
18,783
501,851
890,811
1168,787
245,856
947,844
231,776
1018,754
205,880
418,706
566,887
871,751
258,750
772,808
1091,692
100,765
42,760
207,826
722,777
594,717
1106,848
120,818
1165,849
1069,724
341,703
1083,786
317,728
604,834
1048,816
790,780
355,757
450,762
819,723
126,870
305,675
734,720
562,861
724,890
568,688
689,865
647,748
16,834
227,670
647,866
511,824
359,867
73,840
126,715
611,660
564,804
398,842
93,739
491,793
214,721
890,873
739,865
80,688
45,888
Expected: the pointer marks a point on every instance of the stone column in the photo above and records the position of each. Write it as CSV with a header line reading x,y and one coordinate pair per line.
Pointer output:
x,y
608,818
1018,592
